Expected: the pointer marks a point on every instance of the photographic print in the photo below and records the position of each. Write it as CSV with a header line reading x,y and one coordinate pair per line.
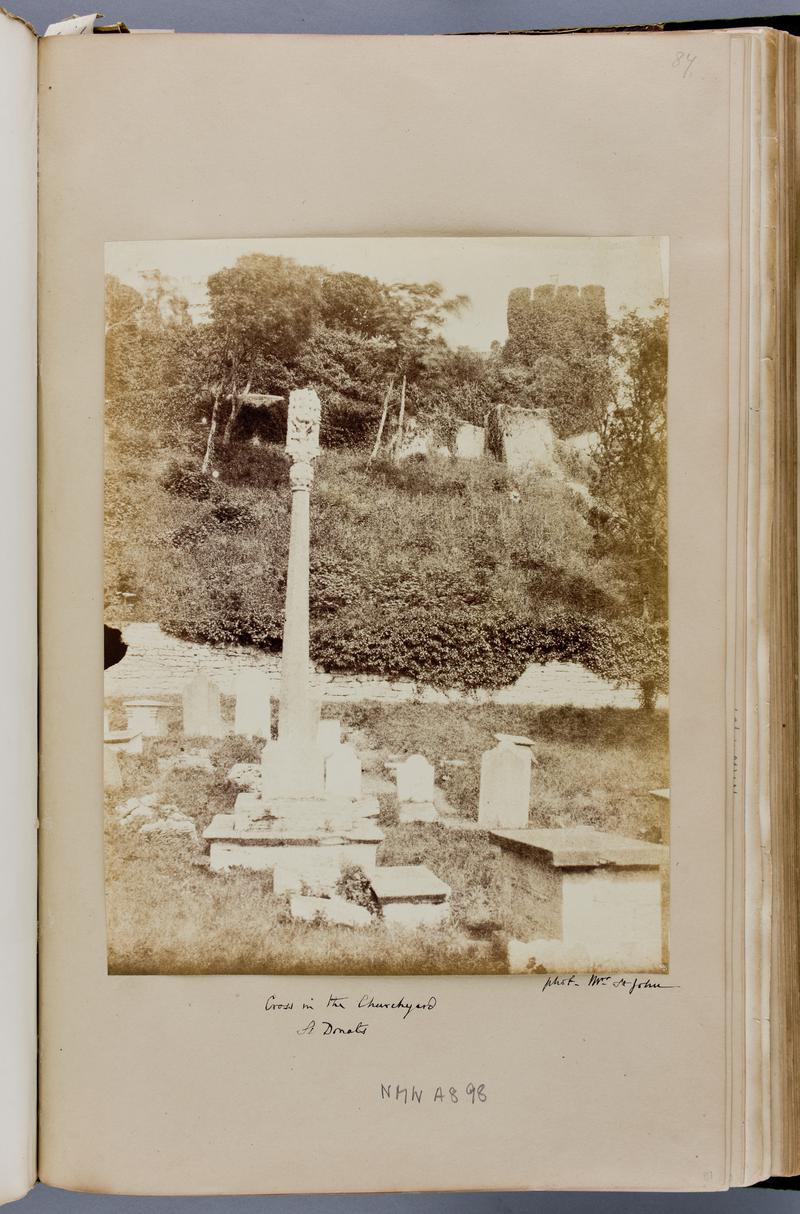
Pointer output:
x,y
386,618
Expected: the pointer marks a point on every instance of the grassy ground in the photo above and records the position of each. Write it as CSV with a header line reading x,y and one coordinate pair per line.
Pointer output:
x,y
595,765
168,913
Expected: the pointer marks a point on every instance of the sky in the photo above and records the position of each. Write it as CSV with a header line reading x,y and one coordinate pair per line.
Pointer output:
x,y
633,269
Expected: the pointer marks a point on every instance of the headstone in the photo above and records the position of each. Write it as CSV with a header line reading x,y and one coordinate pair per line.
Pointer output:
x,y
253,718
112,775
329,736
202,715
415,779
470,441
148,717
343,773
505,787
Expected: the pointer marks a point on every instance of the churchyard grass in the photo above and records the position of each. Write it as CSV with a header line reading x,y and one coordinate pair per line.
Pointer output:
x,y
595,766
168,913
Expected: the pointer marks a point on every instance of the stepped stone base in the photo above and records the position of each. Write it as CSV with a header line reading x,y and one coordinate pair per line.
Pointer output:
x,y
309,840
411,896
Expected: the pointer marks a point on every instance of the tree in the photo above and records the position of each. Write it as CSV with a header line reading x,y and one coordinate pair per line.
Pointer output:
x,y
354,303
630,466
262,309
141,330
124,305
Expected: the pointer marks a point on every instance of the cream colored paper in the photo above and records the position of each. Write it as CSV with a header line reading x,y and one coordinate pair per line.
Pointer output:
x,y
187,1085
18,634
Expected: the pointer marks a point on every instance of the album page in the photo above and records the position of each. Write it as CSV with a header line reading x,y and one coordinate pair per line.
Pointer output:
x,y
18,637
406,359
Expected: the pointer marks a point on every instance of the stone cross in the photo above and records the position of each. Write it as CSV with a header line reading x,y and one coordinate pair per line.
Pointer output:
x,y
329,736
294,766
302,445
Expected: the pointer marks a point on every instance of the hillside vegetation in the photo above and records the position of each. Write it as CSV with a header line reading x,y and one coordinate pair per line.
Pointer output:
x,y
447,571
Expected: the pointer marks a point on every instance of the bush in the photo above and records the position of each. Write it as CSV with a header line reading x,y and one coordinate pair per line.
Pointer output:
x,y
189,482
633,652
355,886
436,645
233,517
261,467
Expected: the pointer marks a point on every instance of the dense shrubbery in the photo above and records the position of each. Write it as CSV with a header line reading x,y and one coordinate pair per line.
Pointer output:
x,y
187,481
430,571
440,570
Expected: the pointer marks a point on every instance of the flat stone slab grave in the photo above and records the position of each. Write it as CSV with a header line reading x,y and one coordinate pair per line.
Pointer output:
x,y
595,891
129,740
410,895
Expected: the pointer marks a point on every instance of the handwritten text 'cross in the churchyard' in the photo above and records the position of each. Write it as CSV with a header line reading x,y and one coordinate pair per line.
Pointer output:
x,y
318,1016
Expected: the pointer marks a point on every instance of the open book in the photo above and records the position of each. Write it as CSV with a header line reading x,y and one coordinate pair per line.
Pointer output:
x,y
418,418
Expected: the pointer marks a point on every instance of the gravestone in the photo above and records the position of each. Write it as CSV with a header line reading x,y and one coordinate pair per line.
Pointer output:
x,y
415,779
343,773
470,441
148,717
202,715
329,736
505,787
112,775
253,710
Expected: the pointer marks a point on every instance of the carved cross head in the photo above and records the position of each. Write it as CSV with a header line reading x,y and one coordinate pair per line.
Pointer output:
x,y
302,430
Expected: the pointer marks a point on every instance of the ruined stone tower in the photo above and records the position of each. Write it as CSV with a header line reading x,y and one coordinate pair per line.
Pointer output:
x,y
553,320
560,335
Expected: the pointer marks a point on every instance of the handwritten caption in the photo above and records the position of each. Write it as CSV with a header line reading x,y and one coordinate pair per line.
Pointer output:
x,y
619,982
320,1016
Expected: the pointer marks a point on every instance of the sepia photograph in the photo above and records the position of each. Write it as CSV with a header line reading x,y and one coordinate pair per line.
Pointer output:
x,y
385,606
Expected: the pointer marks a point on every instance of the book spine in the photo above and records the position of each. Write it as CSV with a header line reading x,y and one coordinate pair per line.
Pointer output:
x,y
18,721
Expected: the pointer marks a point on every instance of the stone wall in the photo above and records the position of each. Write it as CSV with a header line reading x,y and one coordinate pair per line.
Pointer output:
x,y
158,664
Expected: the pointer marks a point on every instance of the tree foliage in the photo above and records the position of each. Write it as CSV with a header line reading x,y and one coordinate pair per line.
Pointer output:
x,y
630,468
427,568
